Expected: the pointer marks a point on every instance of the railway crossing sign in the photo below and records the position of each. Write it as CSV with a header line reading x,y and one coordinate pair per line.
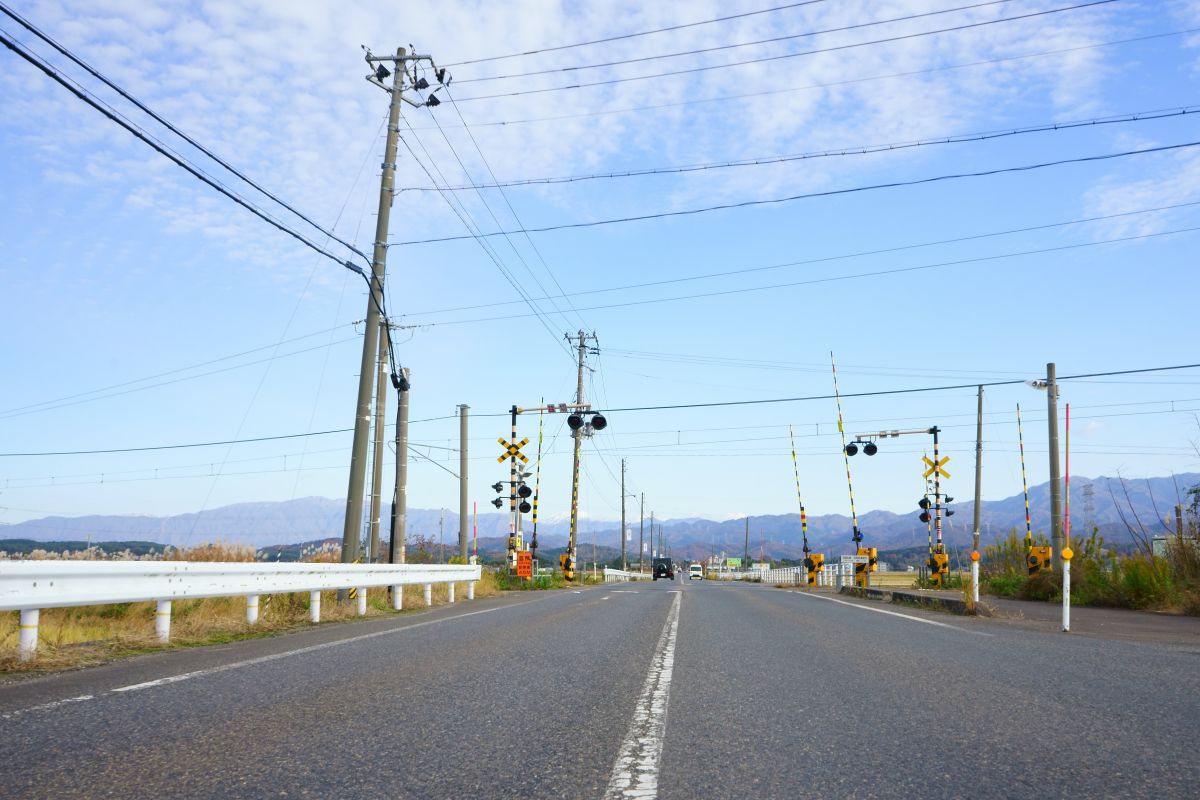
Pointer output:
x,y
511,450
934,466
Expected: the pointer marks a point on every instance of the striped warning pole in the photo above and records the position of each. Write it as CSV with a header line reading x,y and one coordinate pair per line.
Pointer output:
x,y
845,456
796,471
1024,484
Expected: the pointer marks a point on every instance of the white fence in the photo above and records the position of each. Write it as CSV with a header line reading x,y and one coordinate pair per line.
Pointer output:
x,y
621,576
29,586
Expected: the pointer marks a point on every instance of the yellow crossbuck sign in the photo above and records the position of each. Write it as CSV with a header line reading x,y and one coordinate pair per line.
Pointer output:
x,y
938,466
511,450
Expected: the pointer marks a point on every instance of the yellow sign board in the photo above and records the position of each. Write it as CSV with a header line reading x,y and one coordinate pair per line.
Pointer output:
x,y
938,466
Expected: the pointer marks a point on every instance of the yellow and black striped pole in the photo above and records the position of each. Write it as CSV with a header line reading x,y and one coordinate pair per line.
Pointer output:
x,y
810,565
857,538
1024,484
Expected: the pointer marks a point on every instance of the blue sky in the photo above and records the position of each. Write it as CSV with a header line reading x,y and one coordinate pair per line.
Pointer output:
x,y
141,309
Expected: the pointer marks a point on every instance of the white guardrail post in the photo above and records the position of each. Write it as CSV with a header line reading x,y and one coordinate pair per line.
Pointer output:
x,y
29,586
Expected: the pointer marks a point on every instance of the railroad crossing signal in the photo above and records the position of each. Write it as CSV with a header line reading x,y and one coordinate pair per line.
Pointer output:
x,y
513,450
935,466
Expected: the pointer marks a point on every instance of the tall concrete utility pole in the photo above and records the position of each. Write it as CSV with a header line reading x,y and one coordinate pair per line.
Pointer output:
x,y
377,468
1056,523
396,552
641,533
978,470
366,372
746,551
578,434
624,563
653,550
462,481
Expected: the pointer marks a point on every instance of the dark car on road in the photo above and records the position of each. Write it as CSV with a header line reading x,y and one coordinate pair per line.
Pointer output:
x,y
664,568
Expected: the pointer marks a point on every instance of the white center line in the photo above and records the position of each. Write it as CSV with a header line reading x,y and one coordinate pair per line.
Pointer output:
x,y
891,613
635,773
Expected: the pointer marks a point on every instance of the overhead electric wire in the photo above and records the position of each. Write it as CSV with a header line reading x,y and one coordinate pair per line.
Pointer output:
x,y
887,392
766,59
468,222
717,48
1138,116
823,259
624,36
838,278
833,84
668,407
824,193
159,119
511,210
162,150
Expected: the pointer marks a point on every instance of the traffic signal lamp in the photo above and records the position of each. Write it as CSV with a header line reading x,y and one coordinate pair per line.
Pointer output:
x,y
524,508
599,422
575,422
852,449
524,491
498,502
871,448
498,486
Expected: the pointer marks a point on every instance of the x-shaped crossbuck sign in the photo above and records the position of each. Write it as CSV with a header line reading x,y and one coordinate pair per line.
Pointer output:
x,y
934,466
511,450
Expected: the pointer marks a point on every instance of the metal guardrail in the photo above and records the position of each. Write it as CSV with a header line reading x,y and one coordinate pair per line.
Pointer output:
x,y
29,586
621,576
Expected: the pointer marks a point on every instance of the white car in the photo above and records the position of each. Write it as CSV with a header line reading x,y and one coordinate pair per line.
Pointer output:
x,y
696,571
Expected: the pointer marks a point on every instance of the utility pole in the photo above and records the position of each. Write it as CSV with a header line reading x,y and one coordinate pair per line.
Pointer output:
x,y
377,469
578,434
366,372
641,534
978,470
1056,530
462,481
624,564
746,550
396,550
653,549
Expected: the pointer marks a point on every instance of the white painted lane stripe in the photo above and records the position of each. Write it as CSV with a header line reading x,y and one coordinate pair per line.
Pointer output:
x,y
300,651
635,773
891,613
46,706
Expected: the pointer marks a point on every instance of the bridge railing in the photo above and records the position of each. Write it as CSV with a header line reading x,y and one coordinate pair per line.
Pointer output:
x,y
29,586
621,576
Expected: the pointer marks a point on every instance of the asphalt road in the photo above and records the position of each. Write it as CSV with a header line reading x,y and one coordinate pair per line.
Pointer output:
x,y
673,690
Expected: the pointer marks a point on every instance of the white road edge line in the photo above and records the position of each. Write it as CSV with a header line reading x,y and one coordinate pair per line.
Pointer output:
x,y
310,649
635,772
46,706
893,614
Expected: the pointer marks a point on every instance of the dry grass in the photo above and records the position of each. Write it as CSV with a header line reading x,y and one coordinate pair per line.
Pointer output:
x,y
76,637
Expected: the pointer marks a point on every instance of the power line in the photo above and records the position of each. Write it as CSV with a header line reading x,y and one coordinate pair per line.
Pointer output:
x,y
823,259
765,59
464,216
838,278
677,406
825,193
638,34
718,48
834,84
157,118
1138,116
111,450
162,150
885,392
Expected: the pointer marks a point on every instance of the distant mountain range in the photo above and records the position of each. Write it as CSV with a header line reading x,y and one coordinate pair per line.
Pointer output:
x,y
263,524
